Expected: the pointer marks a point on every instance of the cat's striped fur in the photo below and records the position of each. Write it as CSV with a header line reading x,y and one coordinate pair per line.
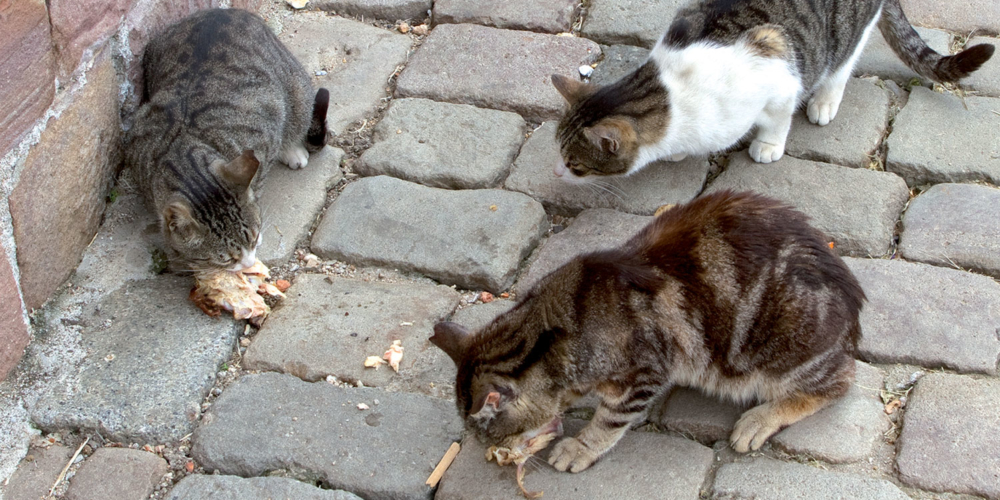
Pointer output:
x,y
224,99
733,293
726,67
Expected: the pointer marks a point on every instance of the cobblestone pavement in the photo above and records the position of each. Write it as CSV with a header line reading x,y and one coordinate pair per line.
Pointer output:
x,y
436,201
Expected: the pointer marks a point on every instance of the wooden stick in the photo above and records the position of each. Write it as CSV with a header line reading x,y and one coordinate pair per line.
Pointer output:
x,y
446,460
68,464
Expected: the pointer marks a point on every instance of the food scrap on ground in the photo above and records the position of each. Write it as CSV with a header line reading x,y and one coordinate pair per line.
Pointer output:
x,y
442,466
505,456
394,355
373,362
363,406
239,292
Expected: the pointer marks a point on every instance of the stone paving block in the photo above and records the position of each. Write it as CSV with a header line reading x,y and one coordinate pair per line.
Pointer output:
x,y
474,239
57,203
290,200
315,432
692,413
14,335
640,464
952,225
329,326
852,137
119,473
878,58
619,60
928,316
36,473
27,69
200,487
452,146
769,479
658,184
847,430
986,80
591,231
515,77
961,15
856,208
478,316
352,60
80,25
630,22
151,359
949,440
937,139
548,16
389,10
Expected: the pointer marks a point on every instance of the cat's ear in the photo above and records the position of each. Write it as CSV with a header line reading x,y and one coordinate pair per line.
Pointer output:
x,y
240,171
610,135
180,225
452,338
572,90
487,404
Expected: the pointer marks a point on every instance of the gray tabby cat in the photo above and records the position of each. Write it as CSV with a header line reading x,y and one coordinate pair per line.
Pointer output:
x,y
226,99
727,66
733,293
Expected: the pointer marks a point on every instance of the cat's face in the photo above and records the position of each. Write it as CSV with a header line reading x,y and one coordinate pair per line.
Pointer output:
x,y
588,145
521,415
220,231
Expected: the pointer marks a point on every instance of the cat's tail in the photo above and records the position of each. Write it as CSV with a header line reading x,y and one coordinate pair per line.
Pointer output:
x,y
908,45
316,136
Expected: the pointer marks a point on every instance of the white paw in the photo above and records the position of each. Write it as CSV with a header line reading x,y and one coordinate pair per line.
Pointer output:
x,y
677,157
295,157
753,429
571,454
823,108
765,152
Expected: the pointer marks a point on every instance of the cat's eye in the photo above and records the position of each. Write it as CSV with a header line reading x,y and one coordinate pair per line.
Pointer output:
x,y
578,170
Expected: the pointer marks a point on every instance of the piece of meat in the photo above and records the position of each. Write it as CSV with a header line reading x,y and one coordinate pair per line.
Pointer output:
x,y
239,292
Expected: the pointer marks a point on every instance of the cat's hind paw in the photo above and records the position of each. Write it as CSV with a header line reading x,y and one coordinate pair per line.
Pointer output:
x,y
822,109
295,156
765,152
753,429
571,454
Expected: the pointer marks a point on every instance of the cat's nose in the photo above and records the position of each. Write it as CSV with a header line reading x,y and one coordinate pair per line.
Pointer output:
x,y
248,260
560,169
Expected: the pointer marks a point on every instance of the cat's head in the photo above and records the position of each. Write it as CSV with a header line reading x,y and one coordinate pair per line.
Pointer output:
x,y
213,222
519,413
593,139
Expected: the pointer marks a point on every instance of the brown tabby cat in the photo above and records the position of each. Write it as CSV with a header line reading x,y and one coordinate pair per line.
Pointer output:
x,y
225,100
733,293
726,67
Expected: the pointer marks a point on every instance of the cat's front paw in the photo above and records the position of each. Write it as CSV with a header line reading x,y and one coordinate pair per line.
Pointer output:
x,y
765,152
753,429
295,157
573,455
822,109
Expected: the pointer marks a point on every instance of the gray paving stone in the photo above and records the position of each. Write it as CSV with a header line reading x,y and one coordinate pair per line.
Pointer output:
x,y
936,139
630,22
952,225
964,16
986,79
768,479
591,231
389,10
856,208
151,357
290,200
316,433
619,60
120,473
949,438
641,463
547,16
692,413
200,487
878,58
847,430
328,327
852,137
642,193
357,59
36,473
477,316
474,239
452,146
928,316
515,77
